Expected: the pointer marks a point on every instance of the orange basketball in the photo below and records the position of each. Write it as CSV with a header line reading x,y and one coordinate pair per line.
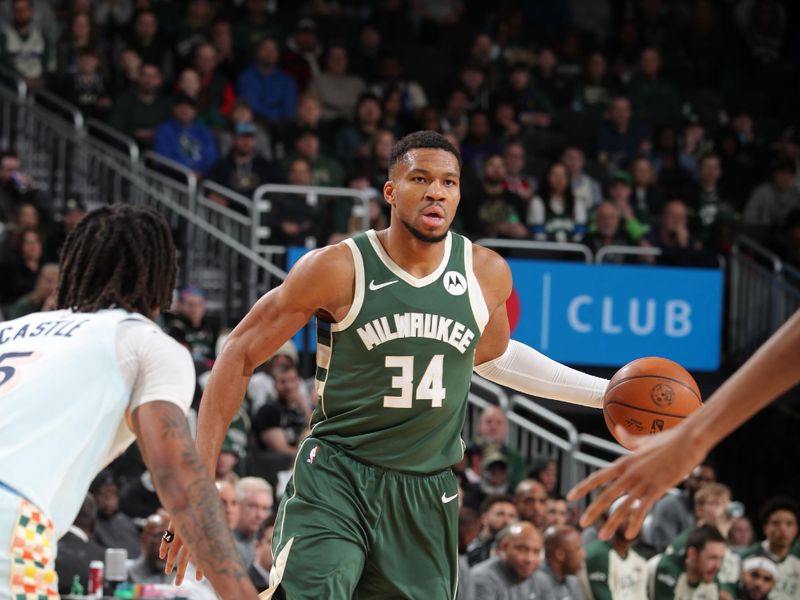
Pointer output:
x,y
650,395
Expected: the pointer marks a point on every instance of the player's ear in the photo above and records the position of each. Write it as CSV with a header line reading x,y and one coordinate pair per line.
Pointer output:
x,y
388,191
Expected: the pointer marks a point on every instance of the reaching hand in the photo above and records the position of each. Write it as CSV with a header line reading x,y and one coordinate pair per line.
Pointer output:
x,y
171,546
657,463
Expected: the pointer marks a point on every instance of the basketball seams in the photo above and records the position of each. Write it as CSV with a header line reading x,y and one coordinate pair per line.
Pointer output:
x,y
672,379
645,410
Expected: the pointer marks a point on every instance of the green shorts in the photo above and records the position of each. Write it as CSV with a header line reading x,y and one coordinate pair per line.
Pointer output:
x,y
345,529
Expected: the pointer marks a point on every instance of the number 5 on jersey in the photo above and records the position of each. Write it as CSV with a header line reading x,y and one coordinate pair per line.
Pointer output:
x,y
429,387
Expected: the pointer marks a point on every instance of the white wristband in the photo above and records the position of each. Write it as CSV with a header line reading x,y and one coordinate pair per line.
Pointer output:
x,y
530,372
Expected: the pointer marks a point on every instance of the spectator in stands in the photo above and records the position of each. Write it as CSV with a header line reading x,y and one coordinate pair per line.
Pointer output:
x,y
585,188
189,325
613,568
184,139
497,513
479,142
137,112
654,99
779,518
230,502
243,169
354,141
492,433
24,46
512,573
16,186
338,91
216,95
556,512
741,534
710,508
391,77
138,498
563,560
716,215
20,271
493,469
41,298
259,569
554,214
303,53
126,71
280,426
758,578
530,499
517,181
193,28
72,213
469,527
532,107
547,80
271,93
293,221
678,246
695,572
546,472
113,529
367,53
772,201
234,449
147,40
255,505
648,202
377,166
149,568
76,549
261,388
242,113
87,87
455,117
79,36
506,126
472,80
394,116
595,89
620,192
222,39
188,84
27,217
491,210
253,25
606,231
675,512
621,139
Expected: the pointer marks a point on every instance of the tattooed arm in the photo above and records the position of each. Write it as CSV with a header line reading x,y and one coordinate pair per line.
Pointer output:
x,y
187,492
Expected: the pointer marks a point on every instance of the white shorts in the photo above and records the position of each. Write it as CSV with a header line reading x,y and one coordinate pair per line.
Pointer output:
x,y
27,550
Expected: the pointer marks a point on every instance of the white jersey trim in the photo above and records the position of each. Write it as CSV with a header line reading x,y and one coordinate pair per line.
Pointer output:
x,y
358,293
476,300
416,282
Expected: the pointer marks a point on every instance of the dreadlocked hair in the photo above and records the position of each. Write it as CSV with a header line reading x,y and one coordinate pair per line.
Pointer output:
x,y
118,256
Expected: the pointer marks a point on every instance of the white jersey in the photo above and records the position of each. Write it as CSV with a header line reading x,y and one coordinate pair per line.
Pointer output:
x,y
68,384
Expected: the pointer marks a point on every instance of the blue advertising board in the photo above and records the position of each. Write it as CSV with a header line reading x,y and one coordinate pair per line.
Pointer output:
x,y
608,315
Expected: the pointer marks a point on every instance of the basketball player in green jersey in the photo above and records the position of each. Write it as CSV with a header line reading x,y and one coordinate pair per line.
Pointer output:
x,y
404,316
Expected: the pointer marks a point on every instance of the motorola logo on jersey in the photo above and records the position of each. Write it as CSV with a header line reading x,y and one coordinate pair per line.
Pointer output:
x,y
455,283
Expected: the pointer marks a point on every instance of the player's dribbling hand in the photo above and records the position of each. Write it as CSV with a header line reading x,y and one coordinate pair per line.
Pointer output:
x,y
171,551
657,463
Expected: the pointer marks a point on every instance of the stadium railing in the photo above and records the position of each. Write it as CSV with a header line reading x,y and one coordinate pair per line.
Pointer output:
x,y
606,251
539,249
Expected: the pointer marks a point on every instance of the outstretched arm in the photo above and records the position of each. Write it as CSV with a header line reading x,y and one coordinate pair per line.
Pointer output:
x,y
187,491
663,460
513,364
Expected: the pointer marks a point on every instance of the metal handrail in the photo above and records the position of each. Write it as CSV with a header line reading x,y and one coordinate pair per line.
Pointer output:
x,y
93,126
17,79
537,245
547,415
191,178
627,250
747,242
587,439
229,194
75,116
492,388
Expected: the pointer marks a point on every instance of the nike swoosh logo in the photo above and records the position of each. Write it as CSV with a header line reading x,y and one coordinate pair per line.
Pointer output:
x,y
446,498
376,286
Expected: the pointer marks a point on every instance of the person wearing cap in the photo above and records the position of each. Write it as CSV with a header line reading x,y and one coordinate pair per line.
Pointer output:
x,y
759,575
513,573
710,508
149,567
492,431
614,570
270,91
497,513
112,527
779,520
494,472
303,52
692,575
185,140
243,169
234,449
563,560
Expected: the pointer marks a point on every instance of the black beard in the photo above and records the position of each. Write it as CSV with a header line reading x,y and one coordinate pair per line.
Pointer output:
x,y
428,239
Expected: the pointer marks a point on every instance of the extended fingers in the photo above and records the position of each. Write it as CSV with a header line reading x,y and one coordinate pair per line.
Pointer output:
x,y
594,481
183,562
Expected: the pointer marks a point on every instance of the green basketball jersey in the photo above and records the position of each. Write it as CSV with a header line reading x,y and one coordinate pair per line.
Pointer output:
x,y
394,374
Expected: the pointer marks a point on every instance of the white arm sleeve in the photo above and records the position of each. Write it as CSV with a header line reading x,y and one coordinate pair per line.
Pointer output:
x,y
530,372
154,366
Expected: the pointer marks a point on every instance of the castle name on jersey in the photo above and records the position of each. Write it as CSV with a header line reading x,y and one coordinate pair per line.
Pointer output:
x,y
419,325
62,328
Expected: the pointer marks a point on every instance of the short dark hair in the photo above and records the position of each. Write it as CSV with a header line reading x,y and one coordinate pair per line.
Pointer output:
x,y
118,256
490,501
702,535
422,139
773,505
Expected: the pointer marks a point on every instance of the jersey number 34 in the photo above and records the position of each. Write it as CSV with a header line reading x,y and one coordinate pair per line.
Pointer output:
x,y
429,387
